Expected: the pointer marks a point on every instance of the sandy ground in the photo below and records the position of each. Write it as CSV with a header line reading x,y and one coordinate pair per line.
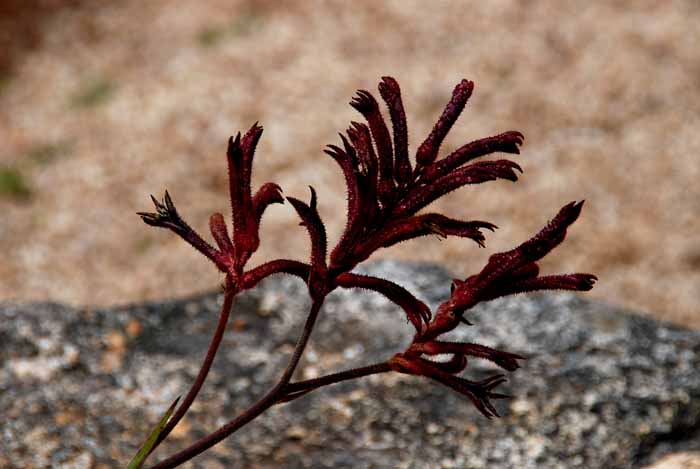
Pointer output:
x,y
110,102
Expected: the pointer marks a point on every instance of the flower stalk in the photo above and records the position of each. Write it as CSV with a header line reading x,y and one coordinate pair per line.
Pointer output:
x,y
385,192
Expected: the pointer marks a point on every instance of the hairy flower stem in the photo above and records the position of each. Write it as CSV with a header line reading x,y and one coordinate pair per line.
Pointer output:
x,y
230,292
267,401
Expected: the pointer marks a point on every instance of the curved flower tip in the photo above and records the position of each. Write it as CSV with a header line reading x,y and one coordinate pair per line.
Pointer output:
x,y
510,142
268,194
317,232
417,312
363,102
552,234
252,136
568,214
586,281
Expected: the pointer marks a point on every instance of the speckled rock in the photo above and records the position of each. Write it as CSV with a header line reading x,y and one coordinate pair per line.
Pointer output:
x,y
601,387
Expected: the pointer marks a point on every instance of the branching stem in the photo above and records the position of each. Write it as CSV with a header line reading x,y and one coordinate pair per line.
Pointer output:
x,y
267,401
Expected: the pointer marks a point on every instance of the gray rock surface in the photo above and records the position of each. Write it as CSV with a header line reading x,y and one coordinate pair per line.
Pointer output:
x,y
602,388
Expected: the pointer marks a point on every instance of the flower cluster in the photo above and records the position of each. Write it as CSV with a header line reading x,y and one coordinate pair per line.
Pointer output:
x,y
386,190
506,273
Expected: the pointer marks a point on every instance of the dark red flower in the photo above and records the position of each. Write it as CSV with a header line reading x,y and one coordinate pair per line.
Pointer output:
x,y
385,192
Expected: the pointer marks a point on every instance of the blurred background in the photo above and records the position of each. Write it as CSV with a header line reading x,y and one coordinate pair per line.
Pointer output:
x,y
103,103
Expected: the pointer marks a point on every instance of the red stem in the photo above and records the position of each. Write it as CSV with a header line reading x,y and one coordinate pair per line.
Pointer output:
x,y
267,401
301,388
229,295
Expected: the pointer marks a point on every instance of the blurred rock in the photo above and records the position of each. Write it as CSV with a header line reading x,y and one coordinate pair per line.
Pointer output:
x,y
678,461
602,387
